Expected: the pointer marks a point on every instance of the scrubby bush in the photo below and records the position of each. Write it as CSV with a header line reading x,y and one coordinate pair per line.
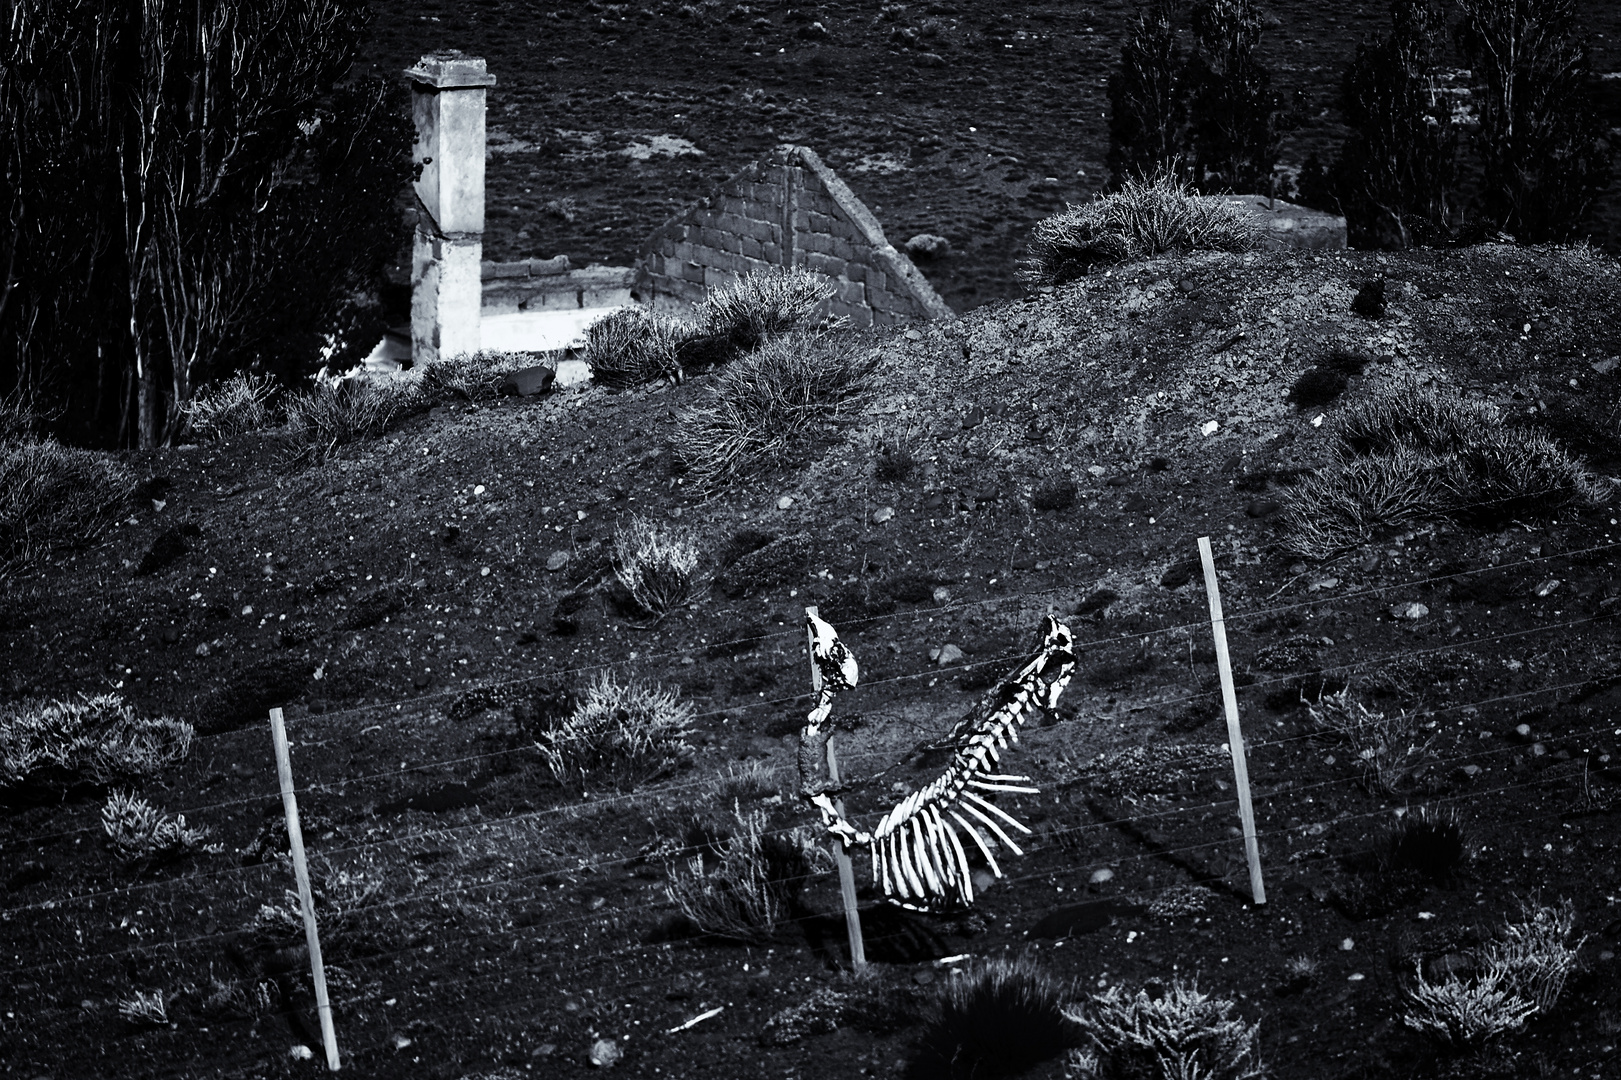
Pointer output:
x,y
1180,900
329,416
231,408
656,563
469,376
1405,456
56,744
999,1017
1389,749
52,497
765,304
631,346
1148,108
753,885
620,734
1428,841
145,1009
1178,1034
1463,1012
137,829
1146,217
1520,974
1536,955
746,783
763,405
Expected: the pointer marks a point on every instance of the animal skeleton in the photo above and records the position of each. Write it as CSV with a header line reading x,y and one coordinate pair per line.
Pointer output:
x,y
917,849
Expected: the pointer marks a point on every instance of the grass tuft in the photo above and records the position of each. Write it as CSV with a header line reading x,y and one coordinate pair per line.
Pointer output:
x,y
1389,749
632,346
469,376
1147,216
618,734
137,829
1406,456
997,1018
761,407
54,497
1429,842
231,408
145,1009
56,744
753,885
656,563
1465,1012
327,416
763,305
1176,1034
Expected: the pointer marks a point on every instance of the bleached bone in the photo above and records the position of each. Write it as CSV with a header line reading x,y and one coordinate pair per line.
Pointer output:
x,y
917,855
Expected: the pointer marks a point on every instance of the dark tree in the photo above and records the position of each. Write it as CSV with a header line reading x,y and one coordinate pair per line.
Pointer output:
x,y
1236,116
146,147
1541,134
1148,119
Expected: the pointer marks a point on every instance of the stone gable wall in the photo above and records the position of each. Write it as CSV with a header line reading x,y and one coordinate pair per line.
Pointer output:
x,y
786,210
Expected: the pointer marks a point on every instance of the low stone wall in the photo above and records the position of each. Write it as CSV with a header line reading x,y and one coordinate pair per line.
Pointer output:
x,y
550,285
786,210
1287,225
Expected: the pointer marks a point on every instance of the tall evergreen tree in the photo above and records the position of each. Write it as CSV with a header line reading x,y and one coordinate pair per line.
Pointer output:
x,y
1148,118
1237,118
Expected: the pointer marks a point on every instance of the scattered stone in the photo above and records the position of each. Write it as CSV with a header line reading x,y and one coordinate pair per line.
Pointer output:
x,y
605,1053
949,654
974,417
983,879
300,1052
785,502
1210,428
1187,285
204,649
1411,609
941,594
928,246
1100,877
913,335
400,1041
557,560
814,32
1324,583
1539,750
882,514
528,382
1180,573
929,59
1607,365
1523,732
1347,945
923,978
1547,586
1471,771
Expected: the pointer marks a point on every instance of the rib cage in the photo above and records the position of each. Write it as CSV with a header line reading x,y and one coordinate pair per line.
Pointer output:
x,y
918,854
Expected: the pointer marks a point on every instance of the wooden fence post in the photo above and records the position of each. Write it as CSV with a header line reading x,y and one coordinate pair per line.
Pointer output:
x,y
847,875
295,839
1235,737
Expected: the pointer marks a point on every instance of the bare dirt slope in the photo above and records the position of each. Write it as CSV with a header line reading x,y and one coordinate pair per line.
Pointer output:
x,y
478,916
962,120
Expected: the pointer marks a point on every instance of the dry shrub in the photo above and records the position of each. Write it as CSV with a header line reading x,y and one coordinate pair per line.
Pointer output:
x,y
1389,749
329,416
999,1017
619,734
53,497
1146,217
763,405
656,563
750,890
231,408
765,304
632,346
1521,973
469,376
137,829
145,1009
1177,1035
56,744
1351,503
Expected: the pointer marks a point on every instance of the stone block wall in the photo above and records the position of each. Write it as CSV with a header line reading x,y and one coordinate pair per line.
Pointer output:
x,y
550,285
786,210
